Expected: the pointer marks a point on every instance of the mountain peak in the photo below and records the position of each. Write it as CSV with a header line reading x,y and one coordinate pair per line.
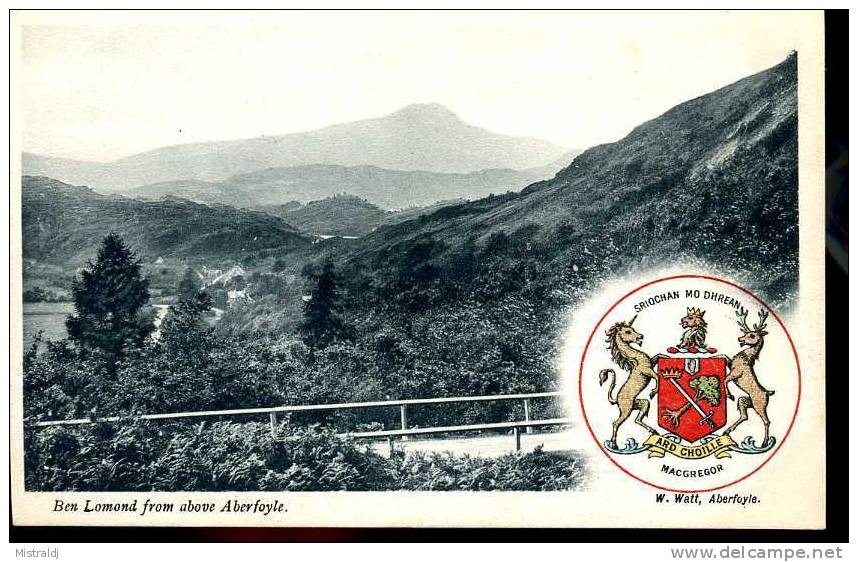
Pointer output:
x,y
426,111
425,137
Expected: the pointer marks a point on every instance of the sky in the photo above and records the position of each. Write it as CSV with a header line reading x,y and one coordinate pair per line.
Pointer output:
x,y
100,86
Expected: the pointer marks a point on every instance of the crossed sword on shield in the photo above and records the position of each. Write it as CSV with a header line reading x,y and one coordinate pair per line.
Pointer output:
x,y
673,376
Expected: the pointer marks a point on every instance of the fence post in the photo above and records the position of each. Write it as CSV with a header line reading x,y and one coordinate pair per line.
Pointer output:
x,y
273,419
403,418
527,413
517,432
390,448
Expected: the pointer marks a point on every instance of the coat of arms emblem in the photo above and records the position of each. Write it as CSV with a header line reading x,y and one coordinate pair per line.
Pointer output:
x,y
689,398
690,382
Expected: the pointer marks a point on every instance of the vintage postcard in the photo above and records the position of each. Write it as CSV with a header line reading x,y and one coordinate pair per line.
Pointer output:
x,y
418,269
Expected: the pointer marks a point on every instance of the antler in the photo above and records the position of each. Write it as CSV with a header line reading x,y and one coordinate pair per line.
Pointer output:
x,y
763,315
743,321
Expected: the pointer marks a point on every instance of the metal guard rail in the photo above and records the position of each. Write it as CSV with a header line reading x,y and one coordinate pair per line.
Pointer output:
x,y
404,433
303,408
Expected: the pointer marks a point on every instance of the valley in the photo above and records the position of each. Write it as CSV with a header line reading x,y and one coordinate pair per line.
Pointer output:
x,y
283,288
670,182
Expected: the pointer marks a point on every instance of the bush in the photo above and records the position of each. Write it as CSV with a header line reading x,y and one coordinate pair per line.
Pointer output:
x,y
512,472
229,456
138,456
37,294
393,357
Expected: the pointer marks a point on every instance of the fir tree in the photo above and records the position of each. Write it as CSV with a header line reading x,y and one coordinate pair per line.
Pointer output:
x,y
108,297
189,285
184,334
322,322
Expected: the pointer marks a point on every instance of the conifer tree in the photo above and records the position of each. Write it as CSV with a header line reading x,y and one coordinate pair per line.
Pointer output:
x,y
108,298
184,333
322,322
189,285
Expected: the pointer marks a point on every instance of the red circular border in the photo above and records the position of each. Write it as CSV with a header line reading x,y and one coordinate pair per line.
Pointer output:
x,y
633,291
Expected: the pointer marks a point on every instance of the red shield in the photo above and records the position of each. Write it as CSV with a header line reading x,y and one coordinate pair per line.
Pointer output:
x,y
702,379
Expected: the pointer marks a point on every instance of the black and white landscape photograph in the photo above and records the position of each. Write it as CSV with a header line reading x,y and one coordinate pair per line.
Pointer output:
x,y
341,251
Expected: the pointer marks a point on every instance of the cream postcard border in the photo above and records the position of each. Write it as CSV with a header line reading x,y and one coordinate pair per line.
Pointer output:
x,y
791,487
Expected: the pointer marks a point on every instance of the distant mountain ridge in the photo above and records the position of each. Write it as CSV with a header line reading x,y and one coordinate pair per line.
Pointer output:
x,y
390,189
419,137
345,215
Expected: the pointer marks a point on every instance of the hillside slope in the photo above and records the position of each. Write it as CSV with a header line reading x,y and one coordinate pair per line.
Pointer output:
x,y
712,179
64,224
427,137
340,215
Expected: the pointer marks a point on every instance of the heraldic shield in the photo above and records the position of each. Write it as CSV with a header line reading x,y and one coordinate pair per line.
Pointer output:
x,y
692,395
